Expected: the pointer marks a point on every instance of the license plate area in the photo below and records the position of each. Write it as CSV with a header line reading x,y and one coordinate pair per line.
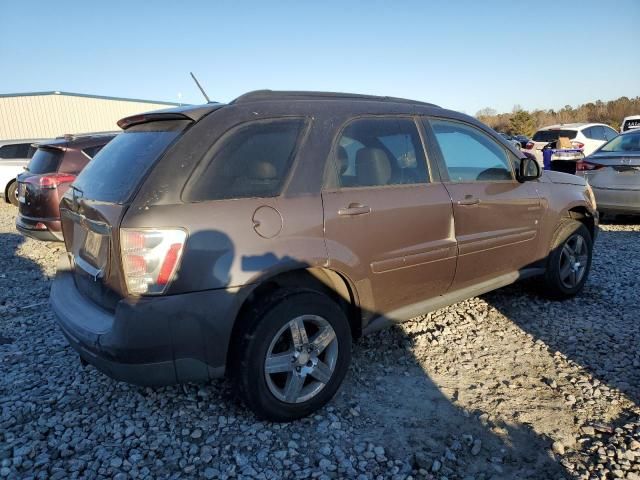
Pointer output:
x,y
92,245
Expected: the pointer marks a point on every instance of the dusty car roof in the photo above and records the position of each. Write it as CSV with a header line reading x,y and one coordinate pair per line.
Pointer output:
x,y
275,95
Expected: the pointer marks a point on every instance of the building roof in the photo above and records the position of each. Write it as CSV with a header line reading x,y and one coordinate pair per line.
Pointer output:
x,y
85,95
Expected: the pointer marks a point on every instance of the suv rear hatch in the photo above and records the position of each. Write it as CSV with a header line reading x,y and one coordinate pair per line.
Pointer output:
x,y
94,206
35,183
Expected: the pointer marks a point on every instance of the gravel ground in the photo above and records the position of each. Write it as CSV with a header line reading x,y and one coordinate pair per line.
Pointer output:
x,y
507,385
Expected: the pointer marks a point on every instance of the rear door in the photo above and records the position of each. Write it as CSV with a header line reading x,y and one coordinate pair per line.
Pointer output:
x,y
388,220
496,217
91,210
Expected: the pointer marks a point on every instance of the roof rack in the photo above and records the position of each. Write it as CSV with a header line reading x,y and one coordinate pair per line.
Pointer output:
x,y
264,95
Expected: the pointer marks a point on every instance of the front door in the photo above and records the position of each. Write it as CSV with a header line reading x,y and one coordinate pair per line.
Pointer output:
x,y
497,218
388,224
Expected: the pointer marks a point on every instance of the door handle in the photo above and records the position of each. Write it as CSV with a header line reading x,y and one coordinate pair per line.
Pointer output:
x,y
355,209
469,200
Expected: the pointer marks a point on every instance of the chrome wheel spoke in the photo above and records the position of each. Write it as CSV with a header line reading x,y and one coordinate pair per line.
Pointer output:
x,y
322,339
567,250
565,270
579,246
573,278
301,367
322,372
583,259
293,387
279,362
298,332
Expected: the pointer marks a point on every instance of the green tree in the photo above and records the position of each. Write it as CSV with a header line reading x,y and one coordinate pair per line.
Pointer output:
x,y
522,123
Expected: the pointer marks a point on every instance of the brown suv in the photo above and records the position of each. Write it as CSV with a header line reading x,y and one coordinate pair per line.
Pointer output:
x,y
47,177
258,238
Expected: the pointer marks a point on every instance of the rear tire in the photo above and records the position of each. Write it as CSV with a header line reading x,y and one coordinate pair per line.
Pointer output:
x,y
12,193
569,261
282,367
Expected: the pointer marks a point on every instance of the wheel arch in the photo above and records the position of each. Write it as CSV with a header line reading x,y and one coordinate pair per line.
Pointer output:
x,y
584,216
335,285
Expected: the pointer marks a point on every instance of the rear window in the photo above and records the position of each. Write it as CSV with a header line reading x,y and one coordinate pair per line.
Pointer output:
x,y
253,160
45,160
629,142
553,135
115,172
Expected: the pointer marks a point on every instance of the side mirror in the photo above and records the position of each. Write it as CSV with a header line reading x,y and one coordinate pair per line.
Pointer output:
x,y
529,169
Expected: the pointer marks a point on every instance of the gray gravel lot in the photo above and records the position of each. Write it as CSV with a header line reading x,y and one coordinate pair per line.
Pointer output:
x,y
507,385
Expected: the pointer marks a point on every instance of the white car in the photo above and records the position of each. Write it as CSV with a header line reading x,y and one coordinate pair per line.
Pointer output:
x,y
14,157
630,123
587,137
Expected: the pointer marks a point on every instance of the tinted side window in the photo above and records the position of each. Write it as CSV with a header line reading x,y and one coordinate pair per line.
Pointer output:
x,y
595,133
469,154
380,151
13,151
253,160
609,133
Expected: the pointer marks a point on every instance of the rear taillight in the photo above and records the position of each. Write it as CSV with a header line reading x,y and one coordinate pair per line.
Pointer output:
x,y
529,145
150,258
584,166
578,145
51,180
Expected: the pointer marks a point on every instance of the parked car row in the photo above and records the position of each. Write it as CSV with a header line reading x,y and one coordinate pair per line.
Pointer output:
x,y
53,167
256,239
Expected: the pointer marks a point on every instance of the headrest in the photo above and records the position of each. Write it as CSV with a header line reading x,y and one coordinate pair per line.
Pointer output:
x,y
372,167
342,159
261,170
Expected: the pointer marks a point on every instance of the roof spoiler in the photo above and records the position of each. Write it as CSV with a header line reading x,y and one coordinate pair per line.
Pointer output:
x,y
127,122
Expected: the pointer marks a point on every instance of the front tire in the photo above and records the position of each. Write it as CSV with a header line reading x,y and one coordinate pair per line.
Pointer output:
x,y
292,355
569,261
12,193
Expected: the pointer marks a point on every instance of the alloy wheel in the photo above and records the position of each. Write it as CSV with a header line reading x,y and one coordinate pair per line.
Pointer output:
x,y
301,359
574,258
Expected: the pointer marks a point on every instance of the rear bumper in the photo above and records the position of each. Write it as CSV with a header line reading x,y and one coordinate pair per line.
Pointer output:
x,y
51,233
151,341
617,201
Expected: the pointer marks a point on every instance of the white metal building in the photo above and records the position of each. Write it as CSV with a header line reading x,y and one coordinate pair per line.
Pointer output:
x,y
52,114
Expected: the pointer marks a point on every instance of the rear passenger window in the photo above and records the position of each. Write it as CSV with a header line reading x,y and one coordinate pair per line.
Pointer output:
x,y
253,160
469,154
380,151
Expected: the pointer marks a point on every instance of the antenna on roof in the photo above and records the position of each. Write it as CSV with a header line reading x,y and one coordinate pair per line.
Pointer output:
x,y
200,87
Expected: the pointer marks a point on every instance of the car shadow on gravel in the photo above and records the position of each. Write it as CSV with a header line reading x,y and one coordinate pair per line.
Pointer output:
x,y
18,272
598,329
419,419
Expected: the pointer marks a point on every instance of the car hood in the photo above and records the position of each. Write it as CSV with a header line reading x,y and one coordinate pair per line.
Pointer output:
x,y
563,178
614,155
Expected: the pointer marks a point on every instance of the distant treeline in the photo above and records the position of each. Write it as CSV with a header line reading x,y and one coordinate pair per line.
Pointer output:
x,y
520,121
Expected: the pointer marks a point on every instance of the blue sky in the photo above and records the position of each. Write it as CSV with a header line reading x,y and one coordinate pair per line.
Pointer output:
x,y
464,55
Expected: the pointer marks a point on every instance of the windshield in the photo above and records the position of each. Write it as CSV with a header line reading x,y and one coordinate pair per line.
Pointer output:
x,y
629,142
553,135
45,160
115,172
